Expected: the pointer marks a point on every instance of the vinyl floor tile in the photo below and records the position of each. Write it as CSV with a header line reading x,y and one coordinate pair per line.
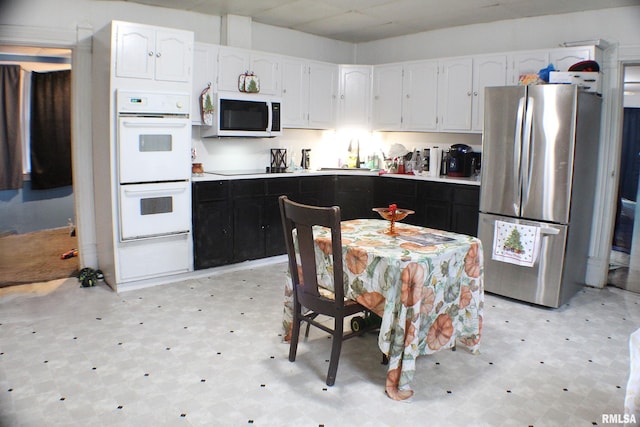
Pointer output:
x,y
208,351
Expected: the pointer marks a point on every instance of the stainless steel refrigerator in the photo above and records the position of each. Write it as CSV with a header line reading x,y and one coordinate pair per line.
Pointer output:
x,y
539,154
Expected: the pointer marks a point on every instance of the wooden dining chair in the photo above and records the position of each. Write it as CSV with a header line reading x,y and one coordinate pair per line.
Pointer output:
x,y
307,293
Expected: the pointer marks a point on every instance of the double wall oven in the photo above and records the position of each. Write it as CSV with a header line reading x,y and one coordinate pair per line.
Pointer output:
x,y
154,194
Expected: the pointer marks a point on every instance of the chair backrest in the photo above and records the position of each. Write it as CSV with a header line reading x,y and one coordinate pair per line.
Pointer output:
x,y
303,218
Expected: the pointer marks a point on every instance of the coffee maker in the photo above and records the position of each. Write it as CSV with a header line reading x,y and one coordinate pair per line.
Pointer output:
x,y
460,161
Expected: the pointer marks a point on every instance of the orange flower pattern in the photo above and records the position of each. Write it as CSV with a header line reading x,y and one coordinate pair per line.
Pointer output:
x,y
412,281
472,261
429,296
356,260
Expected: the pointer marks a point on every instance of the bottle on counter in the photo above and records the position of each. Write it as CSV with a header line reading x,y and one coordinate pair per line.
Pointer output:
x,y
445,163
426,159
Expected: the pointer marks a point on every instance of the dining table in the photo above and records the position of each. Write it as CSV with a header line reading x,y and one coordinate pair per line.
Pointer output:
x,y
425,284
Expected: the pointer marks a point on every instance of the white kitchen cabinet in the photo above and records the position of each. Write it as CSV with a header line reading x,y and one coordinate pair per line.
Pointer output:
x,y
405,96
387,97
232,62
563,58
205,72
309,94
267,67
487,71
420,96
355,96
295,93
455,83
522,63
147,52
323,95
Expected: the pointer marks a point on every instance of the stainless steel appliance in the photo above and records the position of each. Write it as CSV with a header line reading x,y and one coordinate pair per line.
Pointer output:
x,y
539,146
245,115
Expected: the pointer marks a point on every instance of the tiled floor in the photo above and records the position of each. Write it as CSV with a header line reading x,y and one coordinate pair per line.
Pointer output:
x,y
208,352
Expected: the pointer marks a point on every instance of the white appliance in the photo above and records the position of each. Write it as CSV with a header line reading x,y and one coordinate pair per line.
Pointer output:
x,y
151,188
248,115
539,162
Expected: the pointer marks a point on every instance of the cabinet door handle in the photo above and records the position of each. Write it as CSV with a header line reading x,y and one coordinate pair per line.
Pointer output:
x,y
158,55
150,53
468,93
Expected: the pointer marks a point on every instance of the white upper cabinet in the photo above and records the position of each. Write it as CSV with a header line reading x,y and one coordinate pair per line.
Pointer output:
x,y
232,62
267,67
323,95
309,94
355,96
147,52
522,63
487,71
205,73
295,93
420,96
405,96
455,94
387,97
563,58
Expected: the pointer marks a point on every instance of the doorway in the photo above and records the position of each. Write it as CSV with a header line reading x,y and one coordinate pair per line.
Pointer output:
x,y
37,218
624,271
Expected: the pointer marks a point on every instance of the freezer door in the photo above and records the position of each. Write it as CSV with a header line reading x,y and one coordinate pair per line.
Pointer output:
x,y
501,150
548,152
541,284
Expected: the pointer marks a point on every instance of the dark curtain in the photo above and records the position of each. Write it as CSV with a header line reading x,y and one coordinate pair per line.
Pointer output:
x,y
630,163
628,184
50,129
10,134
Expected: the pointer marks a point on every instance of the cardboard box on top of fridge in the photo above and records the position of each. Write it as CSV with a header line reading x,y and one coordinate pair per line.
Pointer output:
x,y
588,81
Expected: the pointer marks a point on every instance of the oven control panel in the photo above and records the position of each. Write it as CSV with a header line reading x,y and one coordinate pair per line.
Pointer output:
x,y
129,102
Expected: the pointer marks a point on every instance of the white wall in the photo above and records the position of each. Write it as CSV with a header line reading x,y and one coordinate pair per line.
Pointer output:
x,y
618,25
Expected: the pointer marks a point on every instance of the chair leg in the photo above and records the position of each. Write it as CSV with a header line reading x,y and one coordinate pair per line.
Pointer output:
x,y
295,333
336,346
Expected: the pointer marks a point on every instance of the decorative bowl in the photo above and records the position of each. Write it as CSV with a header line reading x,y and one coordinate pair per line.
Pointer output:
x,y
393,215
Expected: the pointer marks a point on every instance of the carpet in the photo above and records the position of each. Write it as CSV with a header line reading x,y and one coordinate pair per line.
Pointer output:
x,y
35,257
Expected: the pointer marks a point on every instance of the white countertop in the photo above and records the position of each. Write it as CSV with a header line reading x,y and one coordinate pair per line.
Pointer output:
x,y
444,179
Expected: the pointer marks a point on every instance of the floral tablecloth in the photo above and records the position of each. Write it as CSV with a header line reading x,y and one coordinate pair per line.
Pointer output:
x,y
425,284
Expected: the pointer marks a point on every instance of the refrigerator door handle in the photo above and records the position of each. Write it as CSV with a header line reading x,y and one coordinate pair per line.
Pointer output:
x,y
549,231
517,153
526,151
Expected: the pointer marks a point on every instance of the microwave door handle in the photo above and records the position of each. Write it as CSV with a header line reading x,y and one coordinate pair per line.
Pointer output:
x,y
517,153
269,117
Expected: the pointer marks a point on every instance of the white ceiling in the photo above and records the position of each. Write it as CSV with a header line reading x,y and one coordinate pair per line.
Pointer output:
x,y
366,20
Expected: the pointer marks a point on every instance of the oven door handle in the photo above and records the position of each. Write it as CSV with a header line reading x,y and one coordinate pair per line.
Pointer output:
x,y
164,191
149,125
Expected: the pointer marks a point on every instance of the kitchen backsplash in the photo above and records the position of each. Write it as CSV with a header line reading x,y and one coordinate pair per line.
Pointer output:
x,y
328,148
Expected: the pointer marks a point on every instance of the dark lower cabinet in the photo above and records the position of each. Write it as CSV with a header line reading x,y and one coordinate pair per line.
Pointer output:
x,y
257,228
465,210
212,228
434,205
450,207
239,220
401,192
354,195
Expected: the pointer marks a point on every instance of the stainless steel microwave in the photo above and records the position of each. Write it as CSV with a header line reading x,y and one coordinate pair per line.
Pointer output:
x,y
244,115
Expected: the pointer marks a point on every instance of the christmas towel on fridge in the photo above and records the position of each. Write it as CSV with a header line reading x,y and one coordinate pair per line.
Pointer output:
x,y
516,243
